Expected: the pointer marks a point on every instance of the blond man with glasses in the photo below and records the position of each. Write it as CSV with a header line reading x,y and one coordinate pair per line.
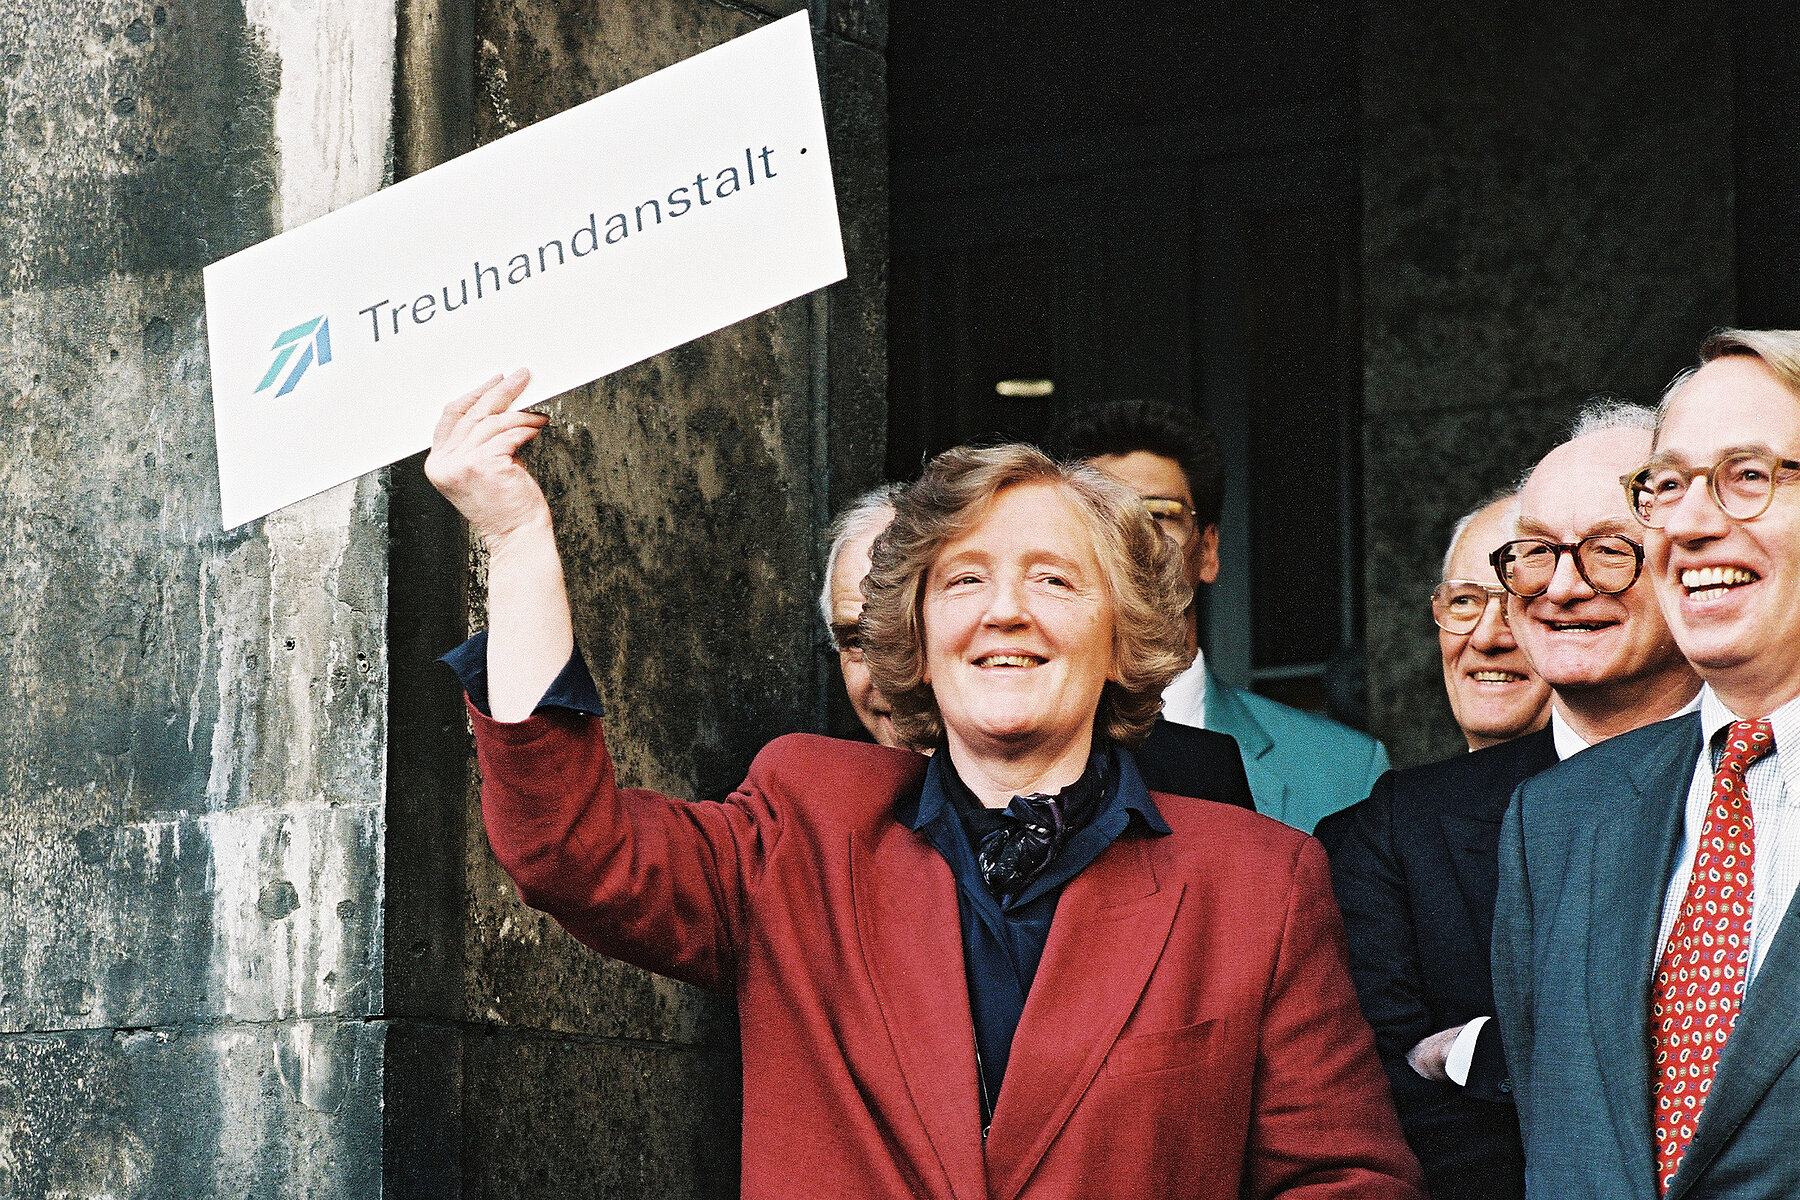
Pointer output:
x,y
1646,952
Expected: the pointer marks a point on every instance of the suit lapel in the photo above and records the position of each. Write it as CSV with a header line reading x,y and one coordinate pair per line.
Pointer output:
x,y
1632,856
906,917
1110,928
1764,1043
1225,713
1472,835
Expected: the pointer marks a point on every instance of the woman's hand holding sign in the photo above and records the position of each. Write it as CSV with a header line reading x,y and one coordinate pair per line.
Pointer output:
x,y
471,459
471,462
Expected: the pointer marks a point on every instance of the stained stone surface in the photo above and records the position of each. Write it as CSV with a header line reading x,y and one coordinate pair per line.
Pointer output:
x,y
689,491
191,719
213,1113
1547,214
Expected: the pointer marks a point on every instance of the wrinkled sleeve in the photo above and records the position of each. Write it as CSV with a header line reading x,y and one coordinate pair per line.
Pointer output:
x,y
1323,1124
1369,880
658,882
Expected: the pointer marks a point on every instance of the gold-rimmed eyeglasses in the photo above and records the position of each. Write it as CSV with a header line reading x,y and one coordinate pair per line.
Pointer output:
x,y
1742,485
1459,605
1168,514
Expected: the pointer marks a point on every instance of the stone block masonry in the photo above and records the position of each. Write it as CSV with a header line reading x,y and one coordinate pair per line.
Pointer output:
x,y
252,943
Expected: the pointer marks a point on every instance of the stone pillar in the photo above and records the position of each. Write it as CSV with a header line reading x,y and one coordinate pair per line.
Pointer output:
x,y
1547,214
193,721
252,942
690,492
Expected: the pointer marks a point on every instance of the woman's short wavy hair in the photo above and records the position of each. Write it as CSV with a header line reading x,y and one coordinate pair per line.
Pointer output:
x,y
1139,568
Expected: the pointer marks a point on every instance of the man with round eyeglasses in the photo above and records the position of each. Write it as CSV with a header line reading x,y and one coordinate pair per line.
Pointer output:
x,y
1414,866
1646,958
1582,612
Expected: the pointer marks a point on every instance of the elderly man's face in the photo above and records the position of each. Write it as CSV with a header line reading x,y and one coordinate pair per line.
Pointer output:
x,y
1575,637
1731,589
871,706
1154,477
1494,694
1019,626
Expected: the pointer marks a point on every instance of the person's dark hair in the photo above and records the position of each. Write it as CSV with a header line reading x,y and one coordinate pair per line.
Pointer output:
x,y
1133,425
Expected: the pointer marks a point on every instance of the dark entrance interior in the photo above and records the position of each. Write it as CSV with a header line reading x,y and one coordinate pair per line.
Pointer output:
x,y
1158,202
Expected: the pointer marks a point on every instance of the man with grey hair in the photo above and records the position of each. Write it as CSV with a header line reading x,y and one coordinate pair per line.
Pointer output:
x,y
852,536
1415,866
1494,694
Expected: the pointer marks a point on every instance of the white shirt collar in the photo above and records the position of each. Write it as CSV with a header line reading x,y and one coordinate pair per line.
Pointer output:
x,y
1569,743
1184,700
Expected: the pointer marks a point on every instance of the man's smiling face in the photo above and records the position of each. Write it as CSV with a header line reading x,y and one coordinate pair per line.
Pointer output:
x,y
1731,589
1575,637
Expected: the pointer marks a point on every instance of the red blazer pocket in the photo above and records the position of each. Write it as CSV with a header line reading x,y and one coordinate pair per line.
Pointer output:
x,y
1168,1049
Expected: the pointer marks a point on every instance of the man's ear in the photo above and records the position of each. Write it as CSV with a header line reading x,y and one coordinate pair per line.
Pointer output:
x,y
1203,556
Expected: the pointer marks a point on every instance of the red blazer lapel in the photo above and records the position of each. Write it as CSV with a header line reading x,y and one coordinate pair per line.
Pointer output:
x,y
1110,928
906,917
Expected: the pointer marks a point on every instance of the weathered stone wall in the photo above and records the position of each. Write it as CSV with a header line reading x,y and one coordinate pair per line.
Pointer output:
x,y
191,721
252,942
1548,213
690,492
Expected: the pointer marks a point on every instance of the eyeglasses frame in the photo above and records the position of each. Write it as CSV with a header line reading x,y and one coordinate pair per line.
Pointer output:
x,y
1495,592
1573,550
1629,483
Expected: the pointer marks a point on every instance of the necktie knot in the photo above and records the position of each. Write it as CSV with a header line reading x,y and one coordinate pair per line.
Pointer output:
x,y
1745,743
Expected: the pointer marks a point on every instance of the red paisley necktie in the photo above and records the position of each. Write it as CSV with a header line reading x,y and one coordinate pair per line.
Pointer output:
x,y
1700,982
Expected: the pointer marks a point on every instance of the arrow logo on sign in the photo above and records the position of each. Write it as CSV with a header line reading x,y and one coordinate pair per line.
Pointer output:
x,y
318,350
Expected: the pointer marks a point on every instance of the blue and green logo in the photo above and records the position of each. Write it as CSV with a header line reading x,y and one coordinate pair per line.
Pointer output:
x,y
313,342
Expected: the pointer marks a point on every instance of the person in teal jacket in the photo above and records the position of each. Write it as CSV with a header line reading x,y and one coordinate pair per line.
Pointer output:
x,y
1302,766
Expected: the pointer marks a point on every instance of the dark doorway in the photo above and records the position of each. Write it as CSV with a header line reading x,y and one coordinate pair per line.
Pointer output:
x,y
1164,206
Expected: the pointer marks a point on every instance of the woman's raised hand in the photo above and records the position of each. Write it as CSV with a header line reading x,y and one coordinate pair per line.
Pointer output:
x,y
530,634
472,464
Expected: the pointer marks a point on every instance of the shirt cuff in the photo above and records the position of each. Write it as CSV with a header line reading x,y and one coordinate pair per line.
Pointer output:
x,y
1462,1052
573,688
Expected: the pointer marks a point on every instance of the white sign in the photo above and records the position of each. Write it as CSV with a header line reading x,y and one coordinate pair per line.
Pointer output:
x,y
642,219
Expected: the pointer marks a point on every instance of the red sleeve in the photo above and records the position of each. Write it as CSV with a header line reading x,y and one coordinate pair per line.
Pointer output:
x,y
1322,1122
655,881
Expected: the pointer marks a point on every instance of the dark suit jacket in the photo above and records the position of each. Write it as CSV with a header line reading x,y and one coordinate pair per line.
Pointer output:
x,y
1192,1030
1414,867
1198,763
1586,853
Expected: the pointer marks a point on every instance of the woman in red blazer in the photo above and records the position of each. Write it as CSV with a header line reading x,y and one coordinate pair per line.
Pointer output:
x,y
1003,971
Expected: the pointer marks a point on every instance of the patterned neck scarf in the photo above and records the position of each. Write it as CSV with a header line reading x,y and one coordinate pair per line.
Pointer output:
x,y
1017,844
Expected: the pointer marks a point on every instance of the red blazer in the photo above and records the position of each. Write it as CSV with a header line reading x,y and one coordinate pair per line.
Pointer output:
x,y
1192,1030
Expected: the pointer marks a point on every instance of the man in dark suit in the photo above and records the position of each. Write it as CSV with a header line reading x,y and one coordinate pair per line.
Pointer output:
x,y
1200,763
1414,866
1300,765
1646,951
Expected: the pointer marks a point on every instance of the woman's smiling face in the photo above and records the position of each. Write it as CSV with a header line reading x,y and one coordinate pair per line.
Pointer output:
x,y
1018,626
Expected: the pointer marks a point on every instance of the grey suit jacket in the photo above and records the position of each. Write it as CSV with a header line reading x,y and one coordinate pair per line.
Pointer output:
x,y
1586,852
